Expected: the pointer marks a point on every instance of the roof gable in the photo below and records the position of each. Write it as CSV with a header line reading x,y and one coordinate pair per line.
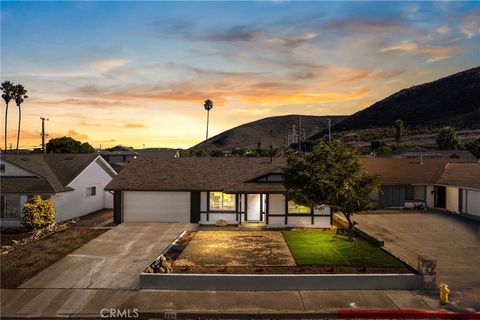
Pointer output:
x,y
55,170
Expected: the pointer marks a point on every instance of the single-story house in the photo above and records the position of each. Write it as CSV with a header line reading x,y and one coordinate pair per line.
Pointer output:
x,y
75,182
118,154
418,152
459,188
404,182
158,152
205,190
428,183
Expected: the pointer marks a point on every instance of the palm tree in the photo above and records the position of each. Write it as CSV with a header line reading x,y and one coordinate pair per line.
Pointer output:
x,y
20,94
399,127
208,105
7,88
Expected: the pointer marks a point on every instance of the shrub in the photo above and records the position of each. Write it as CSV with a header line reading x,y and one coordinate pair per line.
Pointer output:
x,y
38,213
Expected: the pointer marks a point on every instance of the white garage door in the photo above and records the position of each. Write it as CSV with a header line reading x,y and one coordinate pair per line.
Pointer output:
x,y
472,202
153,206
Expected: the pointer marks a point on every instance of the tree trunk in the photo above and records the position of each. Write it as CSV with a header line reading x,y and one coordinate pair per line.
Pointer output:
x,y
351,226
19,124
206,136
6,123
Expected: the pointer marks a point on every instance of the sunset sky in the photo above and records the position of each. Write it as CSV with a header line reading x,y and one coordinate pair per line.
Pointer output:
x,y
135,73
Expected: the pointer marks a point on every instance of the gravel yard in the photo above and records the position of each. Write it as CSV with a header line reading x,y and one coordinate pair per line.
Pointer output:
x,y
236,248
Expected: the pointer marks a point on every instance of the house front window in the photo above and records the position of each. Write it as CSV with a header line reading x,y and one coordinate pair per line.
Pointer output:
x,y
91,191
10,207
414,193
220,201
294,208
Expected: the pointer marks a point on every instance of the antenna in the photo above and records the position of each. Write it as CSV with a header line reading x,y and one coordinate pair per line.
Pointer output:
x,y
43,135
272,146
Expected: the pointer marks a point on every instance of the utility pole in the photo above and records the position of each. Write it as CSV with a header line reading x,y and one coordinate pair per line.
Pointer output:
x,y
44,151
329,131
272,146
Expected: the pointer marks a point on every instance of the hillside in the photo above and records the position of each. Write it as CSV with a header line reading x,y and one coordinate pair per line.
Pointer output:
x,y
249,135
453,100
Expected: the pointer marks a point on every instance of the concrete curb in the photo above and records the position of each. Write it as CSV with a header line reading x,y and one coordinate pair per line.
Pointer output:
x,y
283,282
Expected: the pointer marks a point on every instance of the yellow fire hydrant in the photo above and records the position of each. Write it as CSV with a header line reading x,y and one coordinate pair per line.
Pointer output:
x,y
444,291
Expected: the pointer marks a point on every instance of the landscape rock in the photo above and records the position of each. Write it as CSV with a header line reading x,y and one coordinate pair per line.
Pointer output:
x,y
149,270
221,223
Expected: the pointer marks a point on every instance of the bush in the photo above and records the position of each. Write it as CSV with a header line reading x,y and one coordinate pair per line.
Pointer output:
x,y
38,213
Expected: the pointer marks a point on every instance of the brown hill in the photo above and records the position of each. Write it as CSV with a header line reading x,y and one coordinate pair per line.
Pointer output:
x,y
250,135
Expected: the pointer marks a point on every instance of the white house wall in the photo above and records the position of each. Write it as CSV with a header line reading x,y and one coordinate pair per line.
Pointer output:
x,y
14,171
107,200
452,199
75,203
214,217
156,206
430,197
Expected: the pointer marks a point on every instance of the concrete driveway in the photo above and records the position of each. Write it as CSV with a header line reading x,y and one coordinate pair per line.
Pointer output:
x,y
111,261
451,240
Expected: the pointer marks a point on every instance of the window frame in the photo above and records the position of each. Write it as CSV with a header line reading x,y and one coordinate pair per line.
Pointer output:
x,y
289,202
90,191
3,208
222,202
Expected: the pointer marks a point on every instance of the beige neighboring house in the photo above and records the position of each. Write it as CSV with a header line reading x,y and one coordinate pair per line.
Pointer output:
x,y
460,182
75,182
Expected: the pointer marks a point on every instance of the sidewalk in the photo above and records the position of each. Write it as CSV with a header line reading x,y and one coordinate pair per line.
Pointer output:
x,y
89,302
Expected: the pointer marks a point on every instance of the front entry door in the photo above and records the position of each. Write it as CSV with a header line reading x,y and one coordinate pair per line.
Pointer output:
x,y
254,212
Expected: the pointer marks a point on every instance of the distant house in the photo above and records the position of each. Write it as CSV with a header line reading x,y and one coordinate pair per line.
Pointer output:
x,y
204,190
448,184
159,152
404,182
425,153
118,154
75,182
458,188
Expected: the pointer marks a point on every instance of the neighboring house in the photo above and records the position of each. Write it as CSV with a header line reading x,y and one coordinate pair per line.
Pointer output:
x,y
158,152
404,182
204,190
75,182
448,184
417,152
459,188
119,155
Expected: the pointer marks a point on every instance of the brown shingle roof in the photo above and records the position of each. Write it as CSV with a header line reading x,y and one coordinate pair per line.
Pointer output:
x,y
54,172
236,174
196,174
466,175
399,171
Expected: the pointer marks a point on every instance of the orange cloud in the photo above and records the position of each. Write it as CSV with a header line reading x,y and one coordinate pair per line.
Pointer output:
x,y
133,125
433,53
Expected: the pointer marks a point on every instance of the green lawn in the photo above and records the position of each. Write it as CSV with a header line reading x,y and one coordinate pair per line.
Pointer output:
x,y
310,247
